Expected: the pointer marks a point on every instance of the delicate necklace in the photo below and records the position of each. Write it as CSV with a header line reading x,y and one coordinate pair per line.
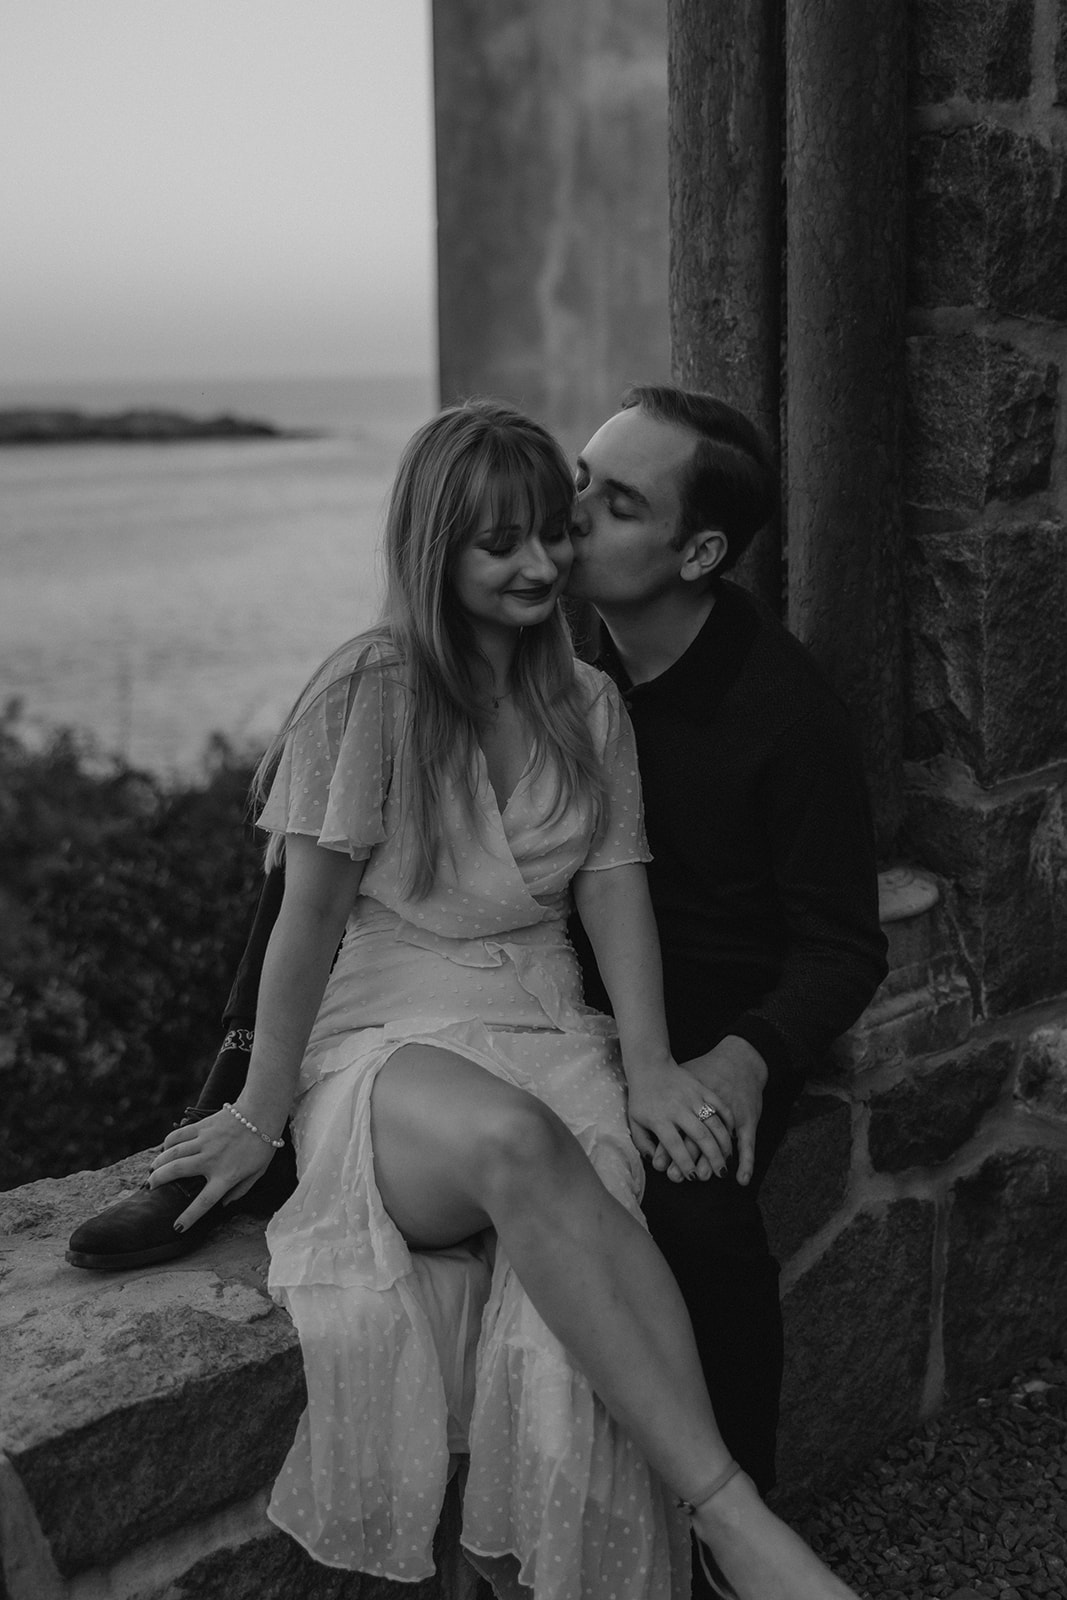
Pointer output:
x,y
495,700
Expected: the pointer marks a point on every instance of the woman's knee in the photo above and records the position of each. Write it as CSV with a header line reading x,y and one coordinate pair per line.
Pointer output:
x,y
459,1120
518,1142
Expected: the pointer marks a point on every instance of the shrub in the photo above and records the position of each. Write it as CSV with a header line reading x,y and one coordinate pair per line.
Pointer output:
x,y
124,906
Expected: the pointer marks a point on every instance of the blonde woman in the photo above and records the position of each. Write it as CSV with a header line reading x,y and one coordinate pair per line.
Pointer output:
x,y
464,1256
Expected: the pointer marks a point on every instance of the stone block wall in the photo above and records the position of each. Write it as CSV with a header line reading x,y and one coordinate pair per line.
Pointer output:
x,y
918,1203
986,467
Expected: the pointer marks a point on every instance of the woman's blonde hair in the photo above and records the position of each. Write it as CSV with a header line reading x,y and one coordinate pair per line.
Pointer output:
x,y
469,460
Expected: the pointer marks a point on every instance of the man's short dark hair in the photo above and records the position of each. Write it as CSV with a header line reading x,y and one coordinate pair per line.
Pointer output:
x,y
731,482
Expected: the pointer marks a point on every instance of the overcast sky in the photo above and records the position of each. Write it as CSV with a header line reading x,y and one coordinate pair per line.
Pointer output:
x,y
214,188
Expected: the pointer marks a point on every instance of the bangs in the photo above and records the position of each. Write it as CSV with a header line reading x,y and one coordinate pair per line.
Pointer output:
x,y
523,494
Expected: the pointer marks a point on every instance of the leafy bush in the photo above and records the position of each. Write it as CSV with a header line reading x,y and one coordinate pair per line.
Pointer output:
x,y
124,907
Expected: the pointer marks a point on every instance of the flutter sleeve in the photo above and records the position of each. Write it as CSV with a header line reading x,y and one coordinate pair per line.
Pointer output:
x,y
334,772
622,837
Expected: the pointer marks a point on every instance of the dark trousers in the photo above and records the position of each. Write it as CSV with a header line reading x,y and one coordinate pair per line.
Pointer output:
x,y
713,1238
714,1241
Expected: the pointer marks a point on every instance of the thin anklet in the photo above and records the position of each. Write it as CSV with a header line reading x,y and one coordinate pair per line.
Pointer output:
x,y
717,1580
690,1506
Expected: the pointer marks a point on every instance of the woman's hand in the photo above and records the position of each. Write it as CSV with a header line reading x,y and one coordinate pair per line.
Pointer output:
x,y
219,1149
733,1076
664,1101
663,1106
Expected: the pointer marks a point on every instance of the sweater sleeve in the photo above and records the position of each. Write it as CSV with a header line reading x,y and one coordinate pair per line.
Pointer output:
x,y
815,812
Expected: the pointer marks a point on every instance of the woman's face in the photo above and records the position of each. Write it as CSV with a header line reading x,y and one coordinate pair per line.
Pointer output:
x,y
510,574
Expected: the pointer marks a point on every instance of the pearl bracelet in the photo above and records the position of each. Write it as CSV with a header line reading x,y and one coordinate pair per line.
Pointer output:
x,y
275,1143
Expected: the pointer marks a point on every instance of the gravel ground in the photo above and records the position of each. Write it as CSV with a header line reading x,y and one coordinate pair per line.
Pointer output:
x,y
974,1504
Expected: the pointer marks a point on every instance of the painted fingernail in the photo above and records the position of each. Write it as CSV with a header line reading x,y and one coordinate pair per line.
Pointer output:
x,y
179,1227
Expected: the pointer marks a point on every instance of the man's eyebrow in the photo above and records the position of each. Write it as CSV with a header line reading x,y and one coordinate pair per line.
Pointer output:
x,y
616,485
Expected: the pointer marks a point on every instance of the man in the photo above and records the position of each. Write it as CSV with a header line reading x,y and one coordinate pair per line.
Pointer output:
x,y
763,877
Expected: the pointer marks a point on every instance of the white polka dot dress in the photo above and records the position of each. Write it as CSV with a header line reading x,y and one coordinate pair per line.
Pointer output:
x,y
412,1357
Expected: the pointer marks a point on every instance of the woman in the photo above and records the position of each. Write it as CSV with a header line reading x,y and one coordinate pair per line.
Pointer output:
x,y
464,1257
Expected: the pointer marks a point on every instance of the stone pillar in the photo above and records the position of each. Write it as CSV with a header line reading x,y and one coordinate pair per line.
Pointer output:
x,y
846,131
551,125
725,186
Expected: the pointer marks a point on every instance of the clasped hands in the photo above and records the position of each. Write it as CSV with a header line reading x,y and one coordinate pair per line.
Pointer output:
x,y
664,1102
218,1149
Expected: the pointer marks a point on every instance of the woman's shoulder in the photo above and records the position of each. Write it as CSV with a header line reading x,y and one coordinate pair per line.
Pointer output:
x,y
591,678
372,651
595,686
604,710
369,655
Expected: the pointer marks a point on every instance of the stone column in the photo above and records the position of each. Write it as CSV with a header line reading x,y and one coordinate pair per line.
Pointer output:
x,y
846,132
551,137
725,192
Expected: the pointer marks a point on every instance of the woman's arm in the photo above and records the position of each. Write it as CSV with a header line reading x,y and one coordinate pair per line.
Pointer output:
x,y
663,1100
320,888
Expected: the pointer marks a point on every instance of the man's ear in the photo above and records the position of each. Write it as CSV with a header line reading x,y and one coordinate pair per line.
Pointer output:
x,y
703,553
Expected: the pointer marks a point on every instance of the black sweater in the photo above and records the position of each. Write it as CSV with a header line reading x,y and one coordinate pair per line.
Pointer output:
x,y
763,879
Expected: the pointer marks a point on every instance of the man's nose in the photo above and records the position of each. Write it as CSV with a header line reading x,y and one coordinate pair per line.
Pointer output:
x,y
580,518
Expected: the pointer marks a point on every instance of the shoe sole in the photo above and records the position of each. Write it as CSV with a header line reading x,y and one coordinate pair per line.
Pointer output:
x,y
133,1258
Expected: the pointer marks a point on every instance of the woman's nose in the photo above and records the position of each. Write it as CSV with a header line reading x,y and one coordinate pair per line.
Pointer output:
x,y
538,564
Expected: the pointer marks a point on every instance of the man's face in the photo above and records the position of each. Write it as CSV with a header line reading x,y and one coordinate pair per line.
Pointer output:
x,y
629,510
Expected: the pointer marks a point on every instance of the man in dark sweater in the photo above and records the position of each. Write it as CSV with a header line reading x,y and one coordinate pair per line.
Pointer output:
x,y
763,874
763,877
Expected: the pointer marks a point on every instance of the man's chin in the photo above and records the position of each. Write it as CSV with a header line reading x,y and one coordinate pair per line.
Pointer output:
x,y
576,588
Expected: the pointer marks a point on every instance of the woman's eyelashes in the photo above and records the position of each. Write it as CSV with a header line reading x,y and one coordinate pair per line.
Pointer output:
x,y
506,541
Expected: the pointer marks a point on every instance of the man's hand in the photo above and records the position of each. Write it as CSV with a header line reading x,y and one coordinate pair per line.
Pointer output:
x,y
734,1075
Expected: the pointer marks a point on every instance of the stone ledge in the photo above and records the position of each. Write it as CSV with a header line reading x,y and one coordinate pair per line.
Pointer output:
x,y
145,1415
130,1377
924,1004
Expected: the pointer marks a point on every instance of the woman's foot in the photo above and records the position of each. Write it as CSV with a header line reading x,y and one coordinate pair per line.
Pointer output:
x,y
756,1553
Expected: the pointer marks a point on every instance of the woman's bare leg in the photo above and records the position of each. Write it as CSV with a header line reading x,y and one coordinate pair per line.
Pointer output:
x,y
456,1150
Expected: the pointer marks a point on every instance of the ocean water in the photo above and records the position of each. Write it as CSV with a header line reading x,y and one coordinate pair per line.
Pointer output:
x,y
151,595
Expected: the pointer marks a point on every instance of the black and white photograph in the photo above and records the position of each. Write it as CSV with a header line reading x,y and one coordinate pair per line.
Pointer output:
x,y
533,800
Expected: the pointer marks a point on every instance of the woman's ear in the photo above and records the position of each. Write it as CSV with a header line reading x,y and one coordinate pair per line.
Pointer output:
x,y
703,553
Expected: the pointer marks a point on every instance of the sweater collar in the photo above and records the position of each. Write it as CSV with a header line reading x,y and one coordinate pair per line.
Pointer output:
x,y
696,683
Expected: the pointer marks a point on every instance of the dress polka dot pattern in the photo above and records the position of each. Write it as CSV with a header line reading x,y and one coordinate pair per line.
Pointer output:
x,y
411,1357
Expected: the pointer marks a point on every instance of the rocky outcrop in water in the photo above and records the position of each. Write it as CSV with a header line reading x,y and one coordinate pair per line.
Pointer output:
x,y
143,425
